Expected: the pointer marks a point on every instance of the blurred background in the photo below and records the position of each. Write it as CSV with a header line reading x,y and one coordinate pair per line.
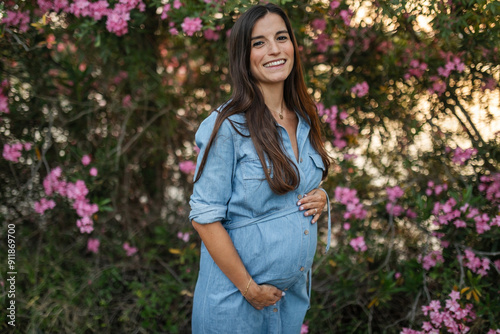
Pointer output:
x,y
99,104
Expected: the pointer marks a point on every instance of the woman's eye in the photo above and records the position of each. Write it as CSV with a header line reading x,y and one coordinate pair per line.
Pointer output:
x,y
259,43
282,38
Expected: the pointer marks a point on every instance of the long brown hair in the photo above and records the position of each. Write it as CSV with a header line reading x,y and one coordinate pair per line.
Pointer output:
x,y
247,98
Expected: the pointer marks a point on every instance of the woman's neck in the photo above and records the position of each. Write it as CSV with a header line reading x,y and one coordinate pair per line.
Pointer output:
x,y
273,98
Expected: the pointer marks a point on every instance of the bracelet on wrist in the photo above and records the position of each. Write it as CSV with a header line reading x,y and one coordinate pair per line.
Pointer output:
x,y
248,285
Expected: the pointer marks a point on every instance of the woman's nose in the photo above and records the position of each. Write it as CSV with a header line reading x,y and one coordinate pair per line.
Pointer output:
x,y
274,48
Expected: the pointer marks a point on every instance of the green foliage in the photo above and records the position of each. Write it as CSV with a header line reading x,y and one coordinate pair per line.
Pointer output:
x,y
133,103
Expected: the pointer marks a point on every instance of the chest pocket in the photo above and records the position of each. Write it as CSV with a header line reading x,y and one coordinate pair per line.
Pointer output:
x,y
317,161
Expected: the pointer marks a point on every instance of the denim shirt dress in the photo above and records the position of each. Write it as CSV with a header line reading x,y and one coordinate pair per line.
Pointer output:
x,y
275,241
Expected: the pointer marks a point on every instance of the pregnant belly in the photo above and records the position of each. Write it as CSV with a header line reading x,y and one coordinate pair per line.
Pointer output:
x,y
277,251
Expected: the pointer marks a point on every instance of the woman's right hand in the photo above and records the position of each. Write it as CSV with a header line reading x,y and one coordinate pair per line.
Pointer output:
x,y
260,296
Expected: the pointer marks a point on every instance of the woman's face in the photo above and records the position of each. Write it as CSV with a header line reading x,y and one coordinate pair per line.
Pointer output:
x,y
272,53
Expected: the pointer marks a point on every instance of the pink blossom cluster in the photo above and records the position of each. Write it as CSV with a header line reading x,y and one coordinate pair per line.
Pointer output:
x,y
168,7
117,17
43,205
438,85
184,236
489,83
190,25
451,65
360,89
332,117
460,156
21,20
449,212
354,209
76,192
358,244
129,249
93,245
346,15
491,185
4,100
212,35
393,194
452,317
436,189
417,69
187,167
476,264
431,259
334,4
304,329
55,5
323,42
13,152
319,24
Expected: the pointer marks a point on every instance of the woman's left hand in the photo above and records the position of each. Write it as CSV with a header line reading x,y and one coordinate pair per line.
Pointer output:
x,y
313,204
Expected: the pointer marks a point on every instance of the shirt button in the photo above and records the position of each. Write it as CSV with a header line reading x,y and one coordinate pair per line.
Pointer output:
x,y
285,289
301,268
299,196
275,310
300,160
306,232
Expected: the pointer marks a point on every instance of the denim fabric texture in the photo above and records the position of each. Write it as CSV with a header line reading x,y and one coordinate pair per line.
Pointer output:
x,y
274,239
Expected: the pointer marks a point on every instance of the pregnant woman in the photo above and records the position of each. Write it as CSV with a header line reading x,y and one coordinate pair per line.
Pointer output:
x,y
256,198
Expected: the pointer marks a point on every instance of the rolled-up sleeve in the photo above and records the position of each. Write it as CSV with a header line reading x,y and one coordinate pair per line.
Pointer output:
x,y
212,192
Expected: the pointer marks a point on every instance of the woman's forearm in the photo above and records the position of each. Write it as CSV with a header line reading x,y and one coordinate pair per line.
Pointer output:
x,y
221,248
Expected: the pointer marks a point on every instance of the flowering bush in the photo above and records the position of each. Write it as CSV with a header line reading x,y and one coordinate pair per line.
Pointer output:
x,y
99,103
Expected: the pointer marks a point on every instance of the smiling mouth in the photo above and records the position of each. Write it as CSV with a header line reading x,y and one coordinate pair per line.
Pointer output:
x,y
275,63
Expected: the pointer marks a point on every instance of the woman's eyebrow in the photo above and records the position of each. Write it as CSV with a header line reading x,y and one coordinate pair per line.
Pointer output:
x,y
278,33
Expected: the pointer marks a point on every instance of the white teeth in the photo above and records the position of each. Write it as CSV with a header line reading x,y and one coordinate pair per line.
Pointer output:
x,y
275,63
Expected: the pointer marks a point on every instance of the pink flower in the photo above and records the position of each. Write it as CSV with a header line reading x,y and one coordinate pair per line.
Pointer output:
x,y
177,4
393,209
20,20
459,223
43,205
211,35
117,21
347,226
431,259
411,214
346,16
93,245
360,89
127,101
393,194
93,171
187,167
319,24
85,224
12,152
77,190
489,83
84,208
358,244
166,9
183,236
334,4
323,42
397,275
482,223
191,25
304,329
130,250
86,160
4,104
